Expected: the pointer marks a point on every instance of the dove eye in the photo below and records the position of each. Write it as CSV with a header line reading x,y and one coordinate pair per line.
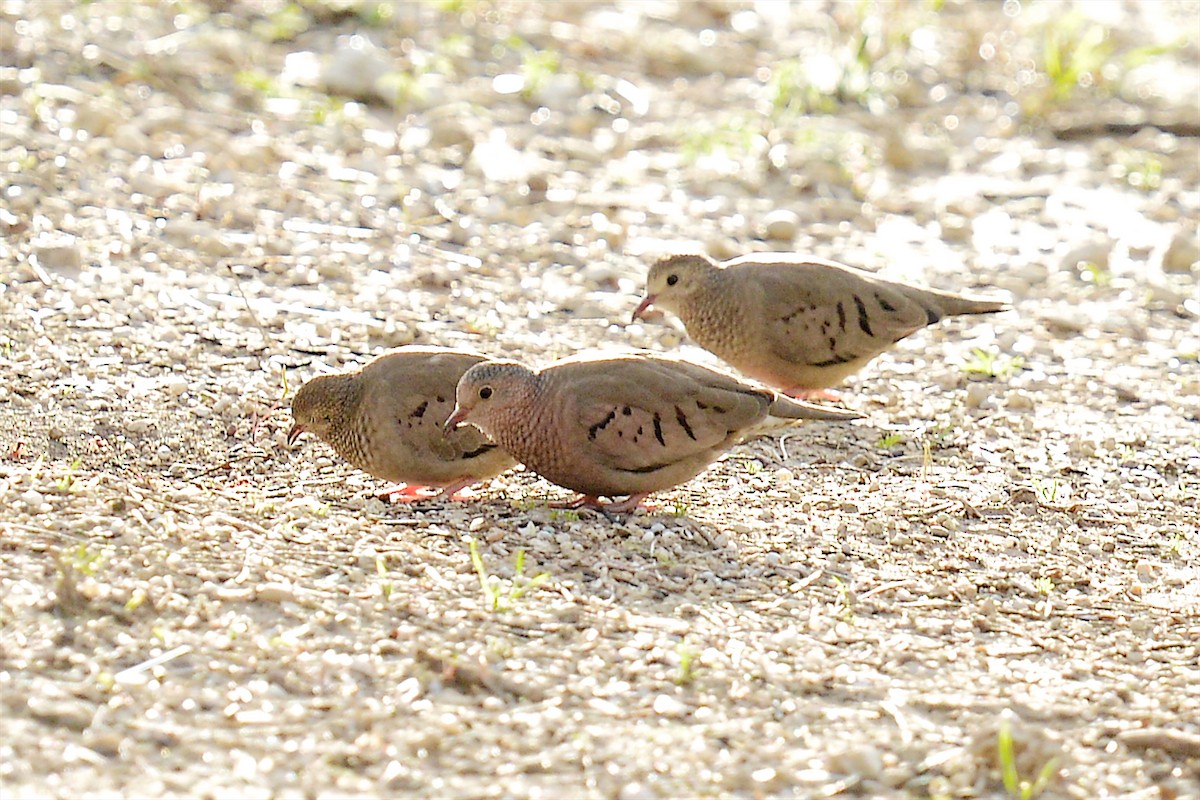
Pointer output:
x,y
485,393
672,280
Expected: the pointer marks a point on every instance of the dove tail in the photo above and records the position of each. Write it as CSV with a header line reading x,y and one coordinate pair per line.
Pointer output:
x,y
938,305
787,408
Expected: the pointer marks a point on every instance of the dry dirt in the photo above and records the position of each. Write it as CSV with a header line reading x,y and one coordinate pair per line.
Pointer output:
x,y
196,220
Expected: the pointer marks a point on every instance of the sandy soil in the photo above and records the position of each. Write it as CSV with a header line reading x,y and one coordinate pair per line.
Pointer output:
x,y
196,220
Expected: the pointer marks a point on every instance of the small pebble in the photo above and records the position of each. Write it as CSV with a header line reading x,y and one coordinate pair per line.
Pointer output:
x,y
175,385
781,225
667,706
978,393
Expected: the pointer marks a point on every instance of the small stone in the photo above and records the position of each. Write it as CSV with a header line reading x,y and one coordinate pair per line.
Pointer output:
x,y
636,791
781,225
355,68
667,706
1183,254
1018,401
59,254
955,228
275,593
129,137
764,775
98,116
865,761
1094,253
175,385
66,712
978,394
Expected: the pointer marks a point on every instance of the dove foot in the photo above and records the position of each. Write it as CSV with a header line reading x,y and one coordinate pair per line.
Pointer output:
x,y
589,501
402,493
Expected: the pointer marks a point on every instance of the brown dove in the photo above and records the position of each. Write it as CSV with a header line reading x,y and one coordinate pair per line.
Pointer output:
x,y
800,324
386,419
607,425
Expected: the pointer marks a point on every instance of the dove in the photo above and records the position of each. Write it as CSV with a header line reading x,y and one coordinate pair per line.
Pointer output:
x,y
386,419
796,323
611,425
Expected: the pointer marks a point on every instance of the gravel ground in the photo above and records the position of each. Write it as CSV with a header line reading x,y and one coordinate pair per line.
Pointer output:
x,y
206,204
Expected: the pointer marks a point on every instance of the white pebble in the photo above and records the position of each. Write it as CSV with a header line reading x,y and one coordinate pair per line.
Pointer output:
x,y
781,225
977,394
764,775
667,706
175,385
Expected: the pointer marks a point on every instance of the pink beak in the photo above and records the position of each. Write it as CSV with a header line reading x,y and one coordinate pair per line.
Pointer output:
x,y
294,434
642,306
457,418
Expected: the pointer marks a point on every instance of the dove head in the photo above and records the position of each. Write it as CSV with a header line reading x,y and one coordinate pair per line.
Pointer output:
x,y
319,405
674,279
488,391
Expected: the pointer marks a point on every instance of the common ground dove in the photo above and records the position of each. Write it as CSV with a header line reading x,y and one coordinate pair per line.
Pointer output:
x,y
607,425
800,324
387,418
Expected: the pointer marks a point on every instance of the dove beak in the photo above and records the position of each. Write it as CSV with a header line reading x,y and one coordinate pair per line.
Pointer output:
x,y
642,306
294,434
457,418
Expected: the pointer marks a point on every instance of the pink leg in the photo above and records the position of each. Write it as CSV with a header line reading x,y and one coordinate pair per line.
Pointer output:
x,y
402,493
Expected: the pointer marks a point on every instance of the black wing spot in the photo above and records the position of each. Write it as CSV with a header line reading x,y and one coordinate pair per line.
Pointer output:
x,y
701,405
681,418
833,362
884,304
644,470
627,411
658,434
599,426
719,409
791,315
863,322
832,343
841,309
419,411
441,398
